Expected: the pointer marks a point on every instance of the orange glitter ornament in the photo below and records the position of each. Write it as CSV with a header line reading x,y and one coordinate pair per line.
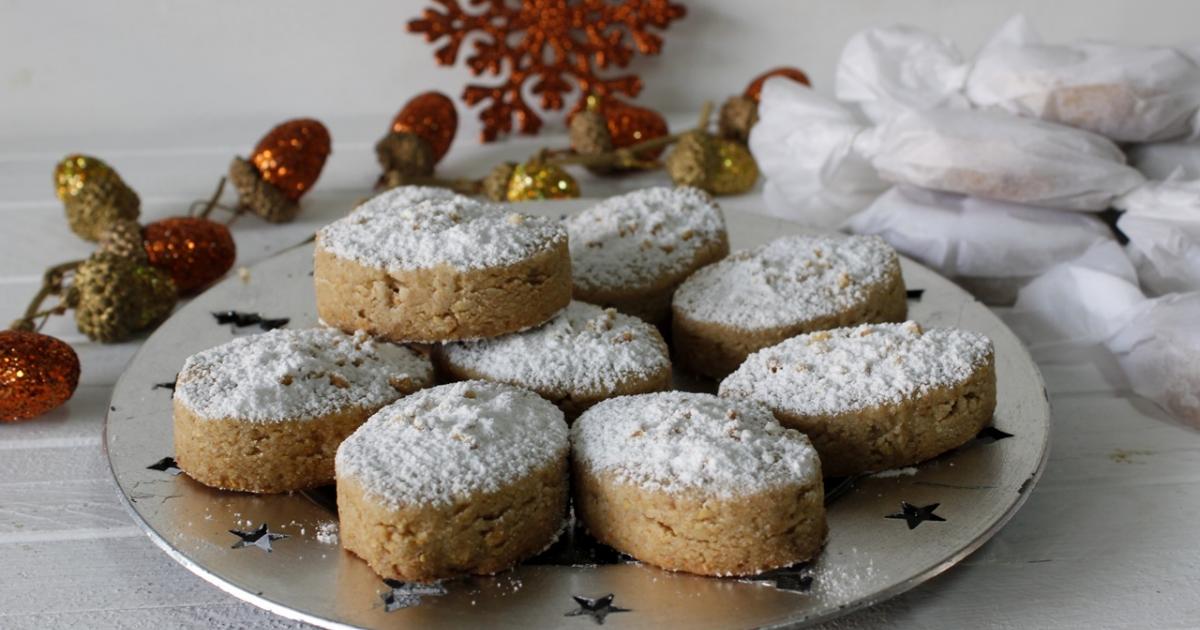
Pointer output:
x,y
555,46
629,124
37,374
193,251
292,155
431,117
754,89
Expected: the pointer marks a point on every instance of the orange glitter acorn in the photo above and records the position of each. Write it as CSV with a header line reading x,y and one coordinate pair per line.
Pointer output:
x,y
193,251
37,374
284,166
430,116
754,89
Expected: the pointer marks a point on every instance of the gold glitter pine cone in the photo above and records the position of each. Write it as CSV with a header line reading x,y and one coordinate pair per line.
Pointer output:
x,y
738,115
262,197
124,238
495,185
405,154
534,181
115,297
93,195
37,374
694,160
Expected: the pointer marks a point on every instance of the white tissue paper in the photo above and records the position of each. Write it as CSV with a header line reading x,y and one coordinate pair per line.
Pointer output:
x,y
991,248
803,144
1160,160
1126,93
1162,221
1095,299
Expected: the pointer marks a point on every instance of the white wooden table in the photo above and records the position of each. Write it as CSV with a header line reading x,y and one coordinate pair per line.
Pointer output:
x,y
1107,540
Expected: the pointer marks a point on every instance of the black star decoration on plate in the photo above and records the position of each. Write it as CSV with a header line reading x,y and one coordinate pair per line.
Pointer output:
x,y
167,465
914,515
170,386
260,538
796,578
914,294
406,594
597,608
241,320
991,434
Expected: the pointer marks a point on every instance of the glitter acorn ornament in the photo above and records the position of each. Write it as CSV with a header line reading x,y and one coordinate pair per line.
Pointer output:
x,y
694,160
739,113
37,374
608,123
283,167
93,195
193,251
124,238
418,139
535,180
736,170
115,298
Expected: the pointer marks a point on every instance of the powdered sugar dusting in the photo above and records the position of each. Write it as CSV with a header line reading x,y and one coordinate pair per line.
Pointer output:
x,y
414,228
584,348
291,374
853,369
676,441
788,281
448,442
637,238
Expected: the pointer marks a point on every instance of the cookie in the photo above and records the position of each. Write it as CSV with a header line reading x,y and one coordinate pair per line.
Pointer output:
x,y
265,413
792,285
467,478
695,483
410,266
584,355
631,251
877,396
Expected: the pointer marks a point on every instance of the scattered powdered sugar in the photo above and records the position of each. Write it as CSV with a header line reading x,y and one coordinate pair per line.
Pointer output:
x,y
289,374
584,347
448,442
852,369
634,239
675,441
327,532
788,281
414,228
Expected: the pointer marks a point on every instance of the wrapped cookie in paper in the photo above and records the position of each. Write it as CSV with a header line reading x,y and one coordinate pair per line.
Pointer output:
x,y
804,146
1095,299
991,248
811,148
1123,92
1162,222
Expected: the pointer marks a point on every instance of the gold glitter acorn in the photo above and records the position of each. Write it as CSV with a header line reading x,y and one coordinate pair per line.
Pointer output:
x,y
589,136
738,115
259,195
495,185
124,238
537,180
737,170
694,160
402,155
93,195
115,297
37,374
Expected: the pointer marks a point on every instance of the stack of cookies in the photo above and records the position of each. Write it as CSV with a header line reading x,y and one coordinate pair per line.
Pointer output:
x,y
557,377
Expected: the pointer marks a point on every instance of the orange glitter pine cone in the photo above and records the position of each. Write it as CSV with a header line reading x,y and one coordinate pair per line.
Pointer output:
x,y
195,252
37,374
430,116
284,166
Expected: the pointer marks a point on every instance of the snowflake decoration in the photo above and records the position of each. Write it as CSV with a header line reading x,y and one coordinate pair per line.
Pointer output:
x,y
555,46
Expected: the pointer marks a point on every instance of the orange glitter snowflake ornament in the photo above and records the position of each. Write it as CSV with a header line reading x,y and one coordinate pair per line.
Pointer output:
x,y
556,46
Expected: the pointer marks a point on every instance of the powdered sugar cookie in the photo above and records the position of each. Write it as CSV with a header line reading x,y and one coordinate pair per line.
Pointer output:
x,y
692,482
877,396
266,413
789,286
582,356
468,478
409,265
631,251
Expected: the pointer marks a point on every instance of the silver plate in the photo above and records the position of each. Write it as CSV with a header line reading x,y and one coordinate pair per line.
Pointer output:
x,y
868,557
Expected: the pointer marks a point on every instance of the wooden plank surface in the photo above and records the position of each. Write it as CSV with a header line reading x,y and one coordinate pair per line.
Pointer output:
x,y
1107,539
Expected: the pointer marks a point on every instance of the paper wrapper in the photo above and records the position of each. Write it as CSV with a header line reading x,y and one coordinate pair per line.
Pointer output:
x,y
818,155
1126,93
1162,222
1095,299
991,248
1160,160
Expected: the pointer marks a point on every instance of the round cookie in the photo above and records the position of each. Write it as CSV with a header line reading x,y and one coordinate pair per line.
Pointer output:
x,y
265,413
792,285
877,396
692,482
584,355
411,266
467,478
631,251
